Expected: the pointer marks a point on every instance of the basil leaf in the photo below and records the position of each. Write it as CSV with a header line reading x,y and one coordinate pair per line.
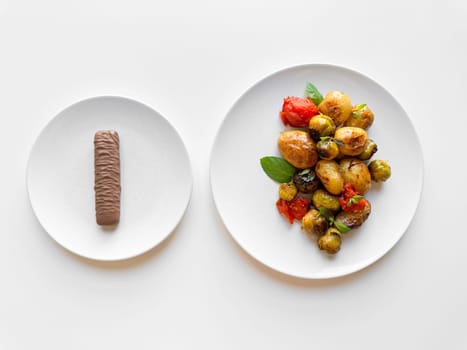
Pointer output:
x,y
341,227
277,168
327,214
313,93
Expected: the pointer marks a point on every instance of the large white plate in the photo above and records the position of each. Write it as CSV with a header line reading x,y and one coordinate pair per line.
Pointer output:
x,y
245,197
156,178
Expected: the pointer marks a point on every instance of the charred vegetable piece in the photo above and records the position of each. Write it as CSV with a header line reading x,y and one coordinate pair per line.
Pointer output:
x,y
306,181
380,170
361,117
337,106
331,241
314,223
320,126
298,148
287,191
327,148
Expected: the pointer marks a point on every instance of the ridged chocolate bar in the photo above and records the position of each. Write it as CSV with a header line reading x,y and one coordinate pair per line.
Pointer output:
x,y
107,177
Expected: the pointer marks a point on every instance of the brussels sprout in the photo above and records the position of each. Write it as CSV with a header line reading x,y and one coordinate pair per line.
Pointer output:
x,y
306,181
323,199
370,148
287,191
361,117
327,149
331,241
314,223
337,106
380,170
321,125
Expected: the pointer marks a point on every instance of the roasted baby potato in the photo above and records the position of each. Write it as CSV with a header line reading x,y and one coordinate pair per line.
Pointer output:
x,y
356,172
329,174
298,148
337,106
354,219
351,140
361,117
314,223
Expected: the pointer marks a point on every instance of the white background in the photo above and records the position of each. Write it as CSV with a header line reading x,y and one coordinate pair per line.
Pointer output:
x,y
199,290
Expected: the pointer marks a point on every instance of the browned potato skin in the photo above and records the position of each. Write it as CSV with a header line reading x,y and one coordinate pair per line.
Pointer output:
x,y
351,140
356,172
361,119
337,106
354,220
298,148
329,174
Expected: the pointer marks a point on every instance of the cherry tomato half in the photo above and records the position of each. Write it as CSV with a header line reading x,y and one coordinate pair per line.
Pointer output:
x,y
297,111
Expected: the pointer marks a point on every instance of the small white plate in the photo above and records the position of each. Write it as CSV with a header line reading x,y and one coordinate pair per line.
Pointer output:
x,y
156,178
245,197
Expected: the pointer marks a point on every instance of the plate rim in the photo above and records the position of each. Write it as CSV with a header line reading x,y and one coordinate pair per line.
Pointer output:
x,y
127,99
354,267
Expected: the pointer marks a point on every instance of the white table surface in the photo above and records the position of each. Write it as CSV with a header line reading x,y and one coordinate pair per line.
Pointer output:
x,y
199,290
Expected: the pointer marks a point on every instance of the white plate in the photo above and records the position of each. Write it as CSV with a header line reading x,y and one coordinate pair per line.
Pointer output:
x,y
245,197
156,178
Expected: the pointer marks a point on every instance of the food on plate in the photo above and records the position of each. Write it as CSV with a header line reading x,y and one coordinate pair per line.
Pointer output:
x,y
298,148
351,140
287,191
361,117
107,177
306,181
294,209
337,106
314,223
321,126
327,148
369,150
297,111
355,172
354,219
330,176
331,241
323,199
380,170
326,167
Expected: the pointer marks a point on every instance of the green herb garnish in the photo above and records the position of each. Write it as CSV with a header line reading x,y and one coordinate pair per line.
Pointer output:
x,y
357,113
327,214
330,218
277,168
341,227
354,200
313,93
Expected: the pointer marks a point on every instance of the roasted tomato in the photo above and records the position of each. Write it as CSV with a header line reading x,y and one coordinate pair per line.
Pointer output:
x,y
351,201
297,111
294,209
